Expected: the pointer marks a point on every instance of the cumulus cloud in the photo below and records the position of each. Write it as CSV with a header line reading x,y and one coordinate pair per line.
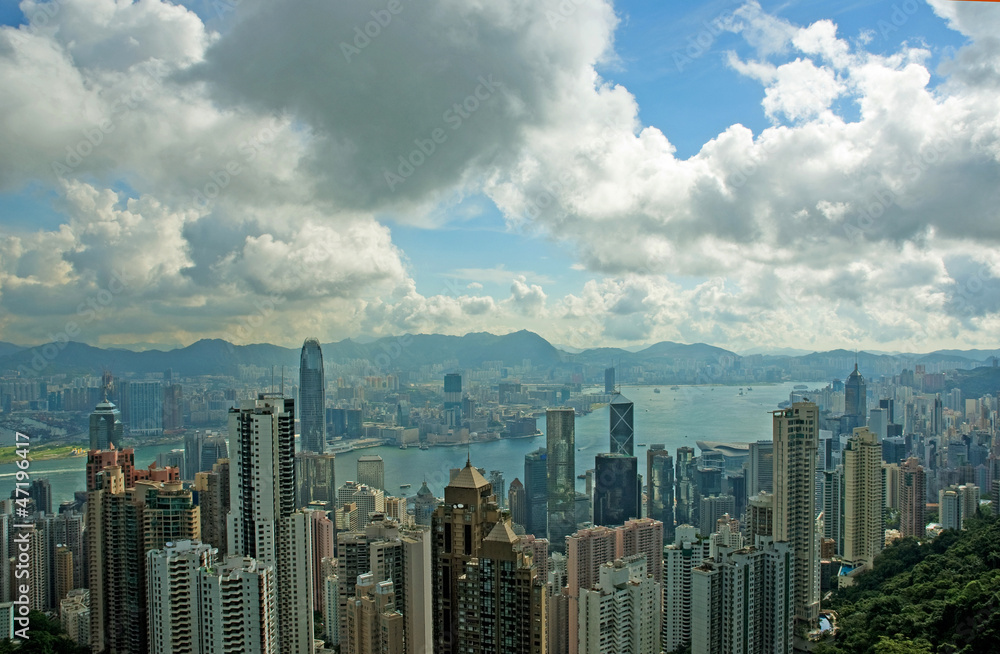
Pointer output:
x,y
226,171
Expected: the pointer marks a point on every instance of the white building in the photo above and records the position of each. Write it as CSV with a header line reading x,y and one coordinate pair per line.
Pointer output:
x,y
172,596
620,615
679,559
238,608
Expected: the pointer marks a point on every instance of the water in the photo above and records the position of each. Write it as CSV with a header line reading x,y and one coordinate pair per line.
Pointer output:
x,y
675,418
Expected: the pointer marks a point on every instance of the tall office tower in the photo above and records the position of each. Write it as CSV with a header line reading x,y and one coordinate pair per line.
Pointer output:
x,y
560,441
172,459
684,478
262,522
316,479
536,489
796,434
617,496
459,527
424,505
145,408
517,502
878,423
711,509
760,468
679,559
741,597
453,398
173,597
239,608
855,399
832,495
213,448
213,501
621,614
122,525
894,449
499,487
192,454
957,504
173,407
622,425
660,488
41,492
501,602
312,398
912,499
609,380
371,471
106,426
864,522
374,625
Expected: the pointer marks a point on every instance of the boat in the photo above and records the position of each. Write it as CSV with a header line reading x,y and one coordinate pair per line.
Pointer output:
x,y
656,390
402,446
581,476
642,445
424,446
675,388
404,485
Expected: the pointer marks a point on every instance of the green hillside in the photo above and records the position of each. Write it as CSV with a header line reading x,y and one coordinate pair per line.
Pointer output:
x,y
938,597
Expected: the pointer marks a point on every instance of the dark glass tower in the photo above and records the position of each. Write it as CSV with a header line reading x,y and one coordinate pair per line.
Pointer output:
x,y
684,479
622,431
660,491
106,427
856,399
537,492
616,489
312,398
560,441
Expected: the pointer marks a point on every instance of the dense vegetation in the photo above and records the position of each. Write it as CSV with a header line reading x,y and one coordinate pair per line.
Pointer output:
x,y
935,597
45,636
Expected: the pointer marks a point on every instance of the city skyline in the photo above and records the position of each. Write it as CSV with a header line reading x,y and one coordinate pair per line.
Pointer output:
x,y
748,159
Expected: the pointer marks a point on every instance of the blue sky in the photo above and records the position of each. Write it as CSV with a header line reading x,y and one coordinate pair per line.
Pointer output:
x,y
640,172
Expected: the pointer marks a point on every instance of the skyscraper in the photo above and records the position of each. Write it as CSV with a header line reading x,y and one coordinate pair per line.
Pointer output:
x,y
239,602
609,380
263,523
213,501
560,441
144,399
796,439
760,468
315,476
312,398
621,613
536,488
616,489
864,524
684,479
622,429
173,597
913,499
856,399
459,527
106,427
517,502
453,398
660,488
371,471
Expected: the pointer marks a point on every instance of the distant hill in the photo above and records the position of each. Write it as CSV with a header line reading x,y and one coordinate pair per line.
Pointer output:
x,y
8,348
976,382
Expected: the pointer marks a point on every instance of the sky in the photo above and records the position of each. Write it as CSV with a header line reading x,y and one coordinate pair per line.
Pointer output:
x,y
800,174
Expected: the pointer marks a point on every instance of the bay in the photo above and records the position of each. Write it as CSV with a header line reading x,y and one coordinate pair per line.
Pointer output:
x,y
675,418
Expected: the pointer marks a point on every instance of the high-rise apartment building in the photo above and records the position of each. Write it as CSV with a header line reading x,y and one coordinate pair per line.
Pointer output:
x,y
459,527
679,559
316,479
312,398
622,425
172,594
560,441
374,624
263,522
660,488
501,599
213,502
741,599
913,499
796,439
239,608
621,613
956,504
863,516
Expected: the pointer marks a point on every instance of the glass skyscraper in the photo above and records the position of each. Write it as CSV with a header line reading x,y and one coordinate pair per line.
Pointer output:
x,y
312,398
622,430
560,441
